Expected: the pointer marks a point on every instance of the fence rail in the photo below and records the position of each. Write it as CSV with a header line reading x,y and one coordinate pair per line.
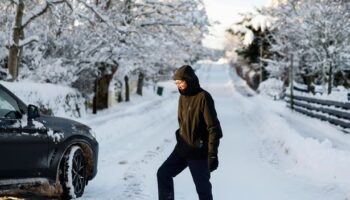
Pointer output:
x,y
337,113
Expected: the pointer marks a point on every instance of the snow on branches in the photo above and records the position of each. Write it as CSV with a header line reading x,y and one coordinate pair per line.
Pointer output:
x,y
73,35
312,32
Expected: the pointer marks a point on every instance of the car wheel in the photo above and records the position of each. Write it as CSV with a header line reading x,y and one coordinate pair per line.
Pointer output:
x,y
73,176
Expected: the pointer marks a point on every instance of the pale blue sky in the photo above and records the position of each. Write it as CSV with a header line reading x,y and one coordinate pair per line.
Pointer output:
x,y
226,12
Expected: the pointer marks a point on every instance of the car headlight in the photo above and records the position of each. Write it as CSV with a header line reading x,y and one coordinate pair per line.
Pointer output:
x,y
93,133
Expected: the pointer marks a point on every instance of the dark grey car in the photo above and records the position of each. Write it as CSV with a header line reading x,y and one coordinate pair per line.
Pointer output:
x,y
44,155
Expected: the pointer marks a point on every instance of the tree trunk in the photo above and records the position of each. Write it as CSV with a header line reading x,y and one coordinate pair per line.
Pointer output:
x,y
140,83
120,98
330,79
127,92
102,92
102,85
14,47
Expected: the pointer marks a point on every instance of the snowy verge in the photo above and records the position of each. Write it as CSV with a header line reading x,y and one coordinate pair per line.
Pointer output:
x,y
304,147
315,152
301,146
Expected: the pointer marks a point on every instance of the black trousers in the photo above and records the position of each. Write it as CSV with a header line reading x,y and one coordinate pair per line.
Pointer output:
x,y
176,164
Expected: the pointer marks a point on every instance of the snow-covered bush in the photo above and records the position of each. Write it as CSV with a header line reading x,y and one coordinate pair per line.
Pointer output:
x,y
51,99
272,88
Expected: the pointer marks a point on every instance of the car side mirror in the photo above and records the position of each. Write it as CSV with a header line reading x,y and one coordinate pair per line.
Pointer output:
x,y
33,112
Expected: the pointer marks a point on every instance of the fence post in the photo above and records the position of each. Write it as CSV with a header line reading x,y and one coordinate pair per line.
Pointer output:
x,y
260,61
94,101
291,78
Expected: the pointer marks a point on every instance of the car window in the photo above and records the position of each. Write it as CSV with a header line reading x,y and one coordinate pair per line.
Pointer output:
x,y
8,105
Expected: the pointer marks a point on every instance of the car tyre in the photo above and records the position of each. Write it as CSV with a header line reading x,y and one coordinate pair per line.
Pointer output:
x,y
73,173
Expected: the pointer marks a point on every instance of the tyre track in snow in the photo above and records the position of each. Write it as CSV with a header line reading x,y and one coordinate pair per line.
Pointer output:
x,y
136,180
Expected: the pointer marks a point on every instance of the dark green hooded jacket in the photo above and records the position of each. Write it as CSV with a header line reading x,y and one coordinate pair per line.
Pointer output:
x,y
200,131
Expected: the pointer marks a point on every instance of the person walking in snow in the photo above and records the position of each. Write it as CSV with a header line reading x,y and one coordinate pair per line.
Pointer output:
x,y
197,138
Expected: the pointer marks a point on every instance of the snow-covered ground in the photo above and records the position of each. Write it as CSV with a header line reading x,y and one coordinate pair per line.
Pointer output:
x,y
267,152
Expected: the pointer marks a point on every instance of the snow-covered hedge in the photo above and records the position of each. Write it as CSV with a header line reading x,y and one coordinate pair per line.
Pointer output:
x,y
51,99
272,88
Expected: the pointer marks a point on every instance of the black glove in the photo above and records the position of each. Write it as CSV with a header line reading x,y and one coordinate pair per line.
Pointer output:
x,y
213,163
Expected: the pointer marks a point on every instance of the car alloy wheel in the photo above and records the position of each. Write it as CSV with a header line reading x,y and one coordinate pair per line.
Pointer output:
x,y
74,173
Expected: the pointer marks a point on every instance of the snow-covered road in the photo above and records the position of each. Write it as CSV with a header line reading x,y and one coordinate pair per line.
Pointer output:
x,y
267,152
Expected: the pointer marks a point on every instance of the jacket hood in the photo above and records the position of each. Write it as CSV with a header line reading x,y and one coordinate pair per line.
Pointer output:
x,y
187,74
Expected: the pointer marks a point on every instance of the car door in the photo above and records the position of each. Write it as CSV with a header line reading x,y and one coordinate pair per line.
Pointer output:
x,y
23,143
